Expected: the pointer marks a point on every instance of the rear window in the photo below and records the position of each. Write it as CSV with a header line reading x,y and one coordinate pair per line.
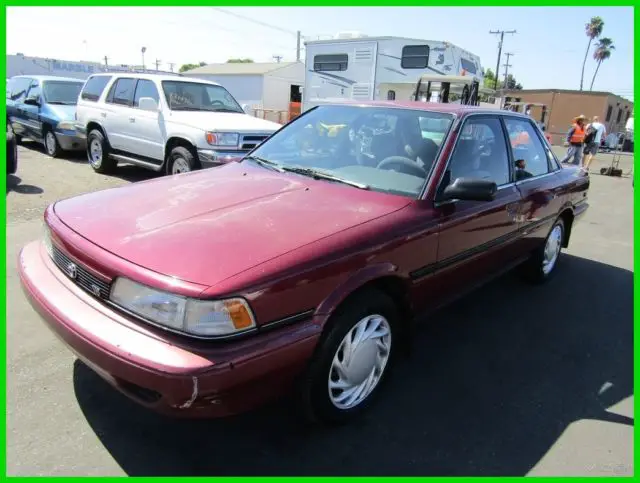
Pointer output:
x,y
94,87
469,66
415,57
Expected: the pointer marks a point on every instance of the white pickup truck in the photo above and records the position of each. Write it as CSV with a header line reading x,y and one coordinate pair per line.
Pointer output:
x,y
165,123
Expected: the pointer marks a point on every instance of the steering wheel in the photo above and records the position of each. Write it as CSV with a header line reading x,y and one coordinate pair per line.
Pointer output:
x,y
405,165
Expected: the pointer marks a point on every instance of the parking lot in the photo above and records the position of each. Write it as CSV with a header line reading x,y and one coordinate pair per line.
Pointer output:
x,y
514,380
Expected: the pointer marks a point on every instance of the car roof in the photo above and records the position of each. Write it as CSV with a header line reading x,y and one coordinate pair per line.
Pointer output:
x,y
455,109
158,77
48,77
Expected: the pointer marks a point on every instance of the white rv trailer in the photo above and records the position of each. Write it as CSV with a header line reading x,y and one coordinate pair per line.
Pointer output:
x,y
378,68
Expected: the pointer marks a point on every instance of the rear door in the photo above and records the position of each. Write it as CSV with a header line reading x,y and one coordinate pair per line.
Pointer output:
x,y
15,105
476,238
145,138
534,172
120,115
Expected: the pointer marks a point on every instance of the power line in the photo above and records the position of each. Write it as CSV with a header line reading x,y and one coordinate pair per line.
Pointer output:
x,y
258,22
501,34
506,69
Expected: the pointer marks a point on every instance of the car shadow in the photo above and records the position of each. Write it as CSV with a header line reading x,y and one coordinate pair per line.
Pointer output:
x,y
14,184
133,174
79,157
490,385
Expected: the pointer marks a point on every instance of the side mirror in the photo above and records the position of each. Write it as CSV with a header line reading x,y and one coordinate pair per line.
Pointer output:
x,y
470,189
148,104
247,109
32,101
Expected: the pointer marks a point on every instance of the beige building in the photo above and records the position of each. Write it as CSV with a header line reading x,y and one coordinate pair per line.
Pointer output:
x,y
562,106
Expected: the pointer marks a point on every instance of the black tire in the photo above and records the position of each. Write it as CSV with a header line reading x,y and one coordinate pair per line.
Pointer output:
x,y
187,161
12,153
532,269
10,130
104,163
51,146
313,389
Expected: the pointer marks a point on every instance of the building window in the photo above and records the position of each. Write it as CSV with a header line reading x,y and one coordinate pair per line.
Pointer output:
x,y
391,96
415,57
609,111
619,118
469,66
330,62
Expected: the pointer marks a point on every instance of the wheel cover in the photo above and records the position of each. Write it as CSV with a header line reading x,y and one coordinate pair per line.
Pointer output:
x,y
50,142
359,362
180,165
95,153
552,249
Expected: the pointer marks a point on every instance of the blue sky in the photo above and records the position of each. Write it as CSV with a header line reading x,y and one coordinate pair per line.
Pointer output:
x,y
548,48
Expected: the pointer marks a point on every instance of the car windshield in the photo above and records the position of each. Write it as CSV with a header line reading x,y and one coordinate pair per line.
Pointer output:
x,y
196,96
389,150
61,92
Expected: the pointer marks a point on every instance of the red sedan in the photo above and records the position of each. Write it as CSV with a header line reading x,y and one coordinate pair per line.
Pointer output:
x,y
304,265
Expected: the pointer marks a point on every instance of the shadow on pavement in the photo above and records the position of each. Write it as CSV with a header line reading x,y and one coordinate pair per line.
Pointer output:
x,y
491,385
133,174
70,156
14,184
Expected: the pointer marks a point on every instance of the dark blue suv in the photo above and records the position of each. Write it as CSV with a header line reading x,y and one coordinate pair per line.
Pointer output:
x,y
43,108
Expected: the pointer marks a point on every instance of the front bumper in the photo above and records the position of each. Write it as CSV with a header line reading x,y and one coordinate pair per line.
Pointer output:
x,y
203,380
71,141
210,158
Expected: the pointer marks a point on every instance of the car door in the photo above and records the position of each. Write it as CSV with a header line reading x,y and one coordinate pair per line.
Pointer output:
x,y
30,113
476,238
534,173
118,111
15,105
146,138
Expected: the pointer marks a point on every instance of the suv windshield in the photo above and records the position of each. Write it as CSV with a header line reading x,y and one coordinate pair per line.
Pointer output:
x,y
195,96
61,92
385,149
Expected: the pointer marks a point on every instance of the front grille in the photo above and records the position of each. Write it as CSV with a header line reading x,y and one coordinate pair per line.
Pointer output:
x,y
250,141
80,275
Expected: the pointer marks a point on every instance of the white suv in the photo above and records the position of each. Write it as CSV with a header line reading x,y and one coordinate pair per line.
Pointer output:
x,y
164,123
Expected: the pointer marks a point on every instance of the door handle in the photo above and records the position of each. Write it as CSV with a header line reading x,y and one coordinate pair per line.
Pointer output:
x,y
103,114
132,119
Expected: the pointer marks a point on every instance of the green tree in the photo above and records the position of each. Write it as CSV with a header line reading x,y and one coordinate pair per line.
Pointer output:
x,y
186,67
603,51
593,30
240,61
489,79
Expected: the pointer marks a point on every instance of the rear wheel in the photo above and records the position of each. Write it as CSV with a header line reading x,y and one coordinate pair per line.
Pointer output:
x,y
15,136
98,151
12,153
543,262
352,361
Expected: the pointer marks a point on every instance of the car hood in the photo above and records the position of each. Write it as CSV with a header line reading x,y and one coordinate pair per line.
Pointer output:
x,y
227,121
62,113
207,226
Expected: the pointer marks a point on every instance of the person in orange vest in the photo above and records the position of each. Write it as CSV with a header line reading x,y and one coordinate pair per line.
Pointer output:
x,y
575,138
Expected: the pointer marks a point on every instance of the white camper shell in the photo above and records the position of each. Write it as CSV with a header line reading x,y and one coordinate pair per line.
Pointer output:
x,y
378,68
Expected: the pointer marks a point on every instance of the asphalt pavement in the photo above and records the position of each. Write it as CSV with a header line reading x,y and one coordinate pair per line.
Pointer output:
x,y
513,380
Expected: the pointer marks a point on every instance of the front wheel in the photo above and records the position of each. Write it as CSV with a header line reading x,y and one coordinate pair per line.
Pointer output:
x,y
51,145
181,160
543,262
352,360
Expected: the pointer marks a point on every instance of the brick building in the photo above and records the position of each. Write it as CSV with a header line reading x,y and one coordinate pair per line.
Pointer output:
x,y
564,105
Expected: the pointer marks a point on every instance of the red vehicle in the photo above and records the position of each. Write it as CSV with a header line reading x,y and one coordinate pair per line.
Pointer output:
x,y
304,265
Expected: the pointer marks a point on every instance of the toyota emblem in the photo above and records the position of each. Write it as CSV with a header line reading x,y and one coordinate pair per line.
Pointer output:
x,y
72,270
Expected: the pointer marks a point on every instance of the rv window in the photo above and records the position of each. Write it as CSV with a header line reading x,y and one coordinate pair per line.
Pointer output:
x,y
330,62
467,65
391,95
415,57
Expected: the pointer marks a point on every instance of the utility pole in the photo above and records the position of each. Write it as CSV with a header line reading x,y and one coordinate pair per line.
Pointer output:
x,y
157,64
278,58
298,38
506,69
143,50
501,34
171,64
106,61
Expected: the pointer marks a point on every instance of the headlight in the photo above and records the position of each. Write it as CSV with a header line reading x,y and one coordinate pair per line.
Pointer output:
x,y
67,125
223,138
47,240
192,316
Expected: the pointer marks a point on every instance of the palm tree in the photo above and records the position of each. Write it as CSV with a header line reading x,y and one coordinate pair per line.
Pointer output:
x,y
604,46
593,30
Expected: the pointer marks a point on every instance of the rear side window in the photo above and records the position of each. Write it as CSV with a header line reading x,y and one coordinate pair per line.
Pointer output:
x,y
20,88
467,65
330,62
121,92
145,88
415,57
94,87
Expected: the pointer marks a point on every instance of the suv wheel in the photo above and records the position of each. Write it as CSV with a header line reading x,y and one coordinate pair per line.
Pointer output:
x,y
98,153
181,160
51,145
352,360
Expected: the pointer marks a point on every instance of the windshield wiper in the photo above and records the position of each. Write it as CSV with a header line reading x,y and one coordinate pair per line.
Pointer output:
x,y
266,163
61,103
314,173
227,109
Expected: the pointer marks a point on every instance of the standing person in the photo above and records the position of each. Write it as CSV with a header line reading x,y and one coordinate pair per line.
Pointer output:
x,y
599,132
575,138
